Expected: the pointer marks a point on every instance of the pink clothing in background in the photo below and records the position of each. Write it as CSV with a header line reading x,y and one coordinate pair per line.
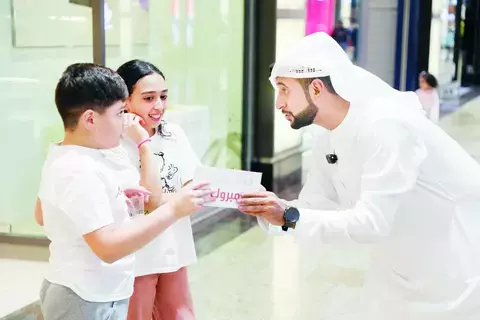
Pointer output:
x,y
320,16
430,102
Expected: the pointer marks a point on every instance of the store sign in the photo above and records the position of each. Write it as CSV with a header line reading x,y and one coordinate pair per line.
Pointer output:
x,y
228,185
450,92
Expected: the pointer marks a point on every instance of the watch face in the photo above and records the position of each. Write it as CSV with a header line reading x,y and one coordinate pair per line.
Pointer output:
x,y
292,215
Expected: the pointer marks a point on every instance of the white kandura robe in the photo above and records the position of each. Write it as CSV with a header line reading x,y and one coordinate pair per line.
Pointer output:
x,y
403,184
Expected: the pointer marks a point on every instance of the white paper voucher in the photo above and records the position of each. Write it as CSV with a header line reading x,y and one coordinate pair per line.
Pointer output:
x,y
228,184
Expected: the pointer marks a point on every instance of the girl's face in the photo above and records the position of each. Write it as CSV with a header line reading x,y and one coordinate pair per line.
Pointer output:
x,y
423,84
149,100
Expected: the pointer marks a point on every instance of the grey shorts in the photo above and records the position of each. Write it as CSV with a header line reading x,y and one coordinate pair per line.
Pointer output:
x,y
61,303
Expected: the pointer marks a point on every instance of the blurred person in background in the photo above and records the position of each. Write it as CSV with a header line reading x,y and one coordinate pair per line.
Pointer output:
x,y
428,95
354,38
341,35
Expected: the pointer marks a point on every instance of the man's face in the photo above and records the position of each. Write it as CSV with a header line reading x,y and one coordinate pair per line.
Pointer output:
x,y
295,102
105,128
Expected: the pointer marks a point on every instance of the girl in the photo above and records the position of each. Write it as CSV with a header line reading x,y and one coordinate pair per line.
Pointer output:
x,y
428,96
161,284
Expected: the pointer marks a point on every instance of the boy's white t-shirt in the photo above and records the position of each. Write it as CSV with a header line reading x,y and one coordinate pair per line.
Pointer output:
x,y
174,248
80,193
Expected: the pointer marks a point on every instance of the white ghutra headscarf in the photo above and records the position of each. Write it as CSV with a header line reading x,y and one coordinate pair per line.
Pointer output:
x,y
319,55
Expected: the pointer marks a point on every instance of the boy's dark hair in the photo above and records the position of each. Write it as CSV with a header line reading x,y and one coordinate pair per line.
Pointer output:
x,y
86,86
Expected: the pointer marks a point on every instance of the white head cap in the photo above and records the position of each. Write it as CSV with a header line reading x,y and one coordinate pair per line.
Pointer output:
x,y
318,55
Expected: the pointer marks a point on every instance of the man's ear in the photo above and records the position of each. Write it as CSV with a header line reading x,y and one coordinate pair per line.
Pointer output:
x,y
318,87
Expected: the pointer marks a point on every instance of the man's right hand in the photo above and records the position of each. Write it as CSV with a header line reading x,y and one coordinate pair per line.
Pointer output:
x,y
190,198
263,204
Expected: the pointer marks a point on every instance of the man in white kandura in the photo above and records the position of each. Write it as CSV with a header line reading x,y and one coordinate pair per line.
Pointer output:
x,y
383,174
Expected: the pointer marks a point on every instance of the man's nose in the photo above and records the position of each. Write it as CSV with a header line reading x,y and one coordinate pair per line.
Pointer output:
x,y
279,105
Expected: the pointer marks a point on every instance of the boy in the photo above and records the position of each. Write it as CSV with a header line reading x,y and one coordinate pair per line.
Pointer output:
x,y
84,209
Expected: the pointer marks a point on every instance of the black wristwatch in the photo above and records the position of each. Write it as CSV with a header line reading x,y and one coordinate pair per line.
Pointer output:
x,y
290,216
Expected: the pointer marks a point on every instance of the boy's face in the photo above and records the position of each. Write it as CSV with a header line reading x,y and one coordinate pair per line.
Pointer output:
x,y
106,128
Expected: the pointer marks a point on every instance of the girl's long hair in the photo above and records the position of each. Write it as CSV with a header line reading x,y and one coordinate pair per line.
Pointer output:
x,y
134,70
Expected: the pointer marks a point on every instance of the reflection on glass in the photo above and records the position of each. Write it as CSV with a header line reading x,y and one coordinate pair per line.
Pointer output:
x,y
199,47
31,61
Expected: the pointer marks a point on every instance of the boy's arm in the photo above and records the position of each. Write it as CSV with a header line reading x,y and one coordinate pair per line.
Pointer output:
x,y
84,199
114,242
155,202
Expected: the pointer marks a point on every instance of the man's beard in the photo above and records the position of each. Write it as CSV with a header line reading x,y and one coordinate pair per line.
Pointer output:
x,y
305,117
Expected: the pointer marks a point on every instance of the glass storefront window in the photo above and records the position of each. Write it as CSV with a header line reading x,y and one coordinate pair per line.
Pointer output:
x,y
38,39
198,45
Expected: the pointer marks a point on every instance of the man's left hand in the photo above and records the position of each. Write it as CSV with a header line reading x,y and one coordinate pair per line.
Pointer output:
x,y
263,204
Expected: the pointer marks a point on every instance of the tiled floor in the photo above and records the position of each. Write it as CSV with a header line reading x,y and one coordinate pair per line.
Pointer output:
x,y
245,278
20,281
464,126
